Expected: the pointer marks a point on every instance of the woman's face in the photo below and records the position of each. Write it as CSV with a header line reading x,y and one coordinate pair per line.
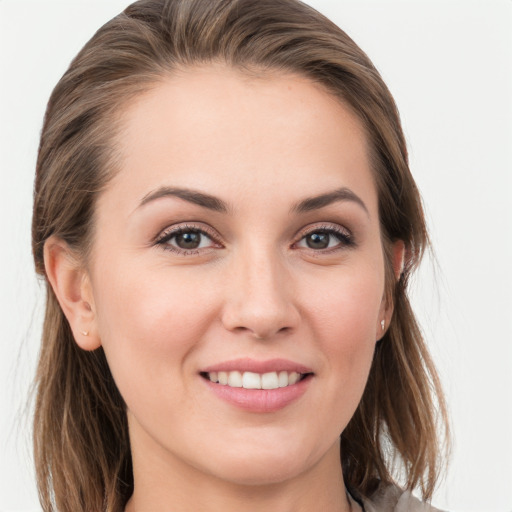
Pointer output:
x,y
240,241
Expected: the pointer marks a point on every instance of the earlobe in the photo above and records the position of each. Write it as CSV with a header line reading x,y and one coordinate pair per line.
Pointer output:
x,y
72,287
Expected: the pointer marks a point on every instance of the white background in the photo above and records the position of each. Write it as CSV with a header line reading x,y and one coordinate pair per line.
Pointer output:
x,y
449,66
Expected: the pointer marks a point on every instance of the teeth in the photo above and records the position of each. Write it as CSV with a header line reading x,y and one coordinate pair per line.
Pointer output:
x,y
235,379
293,378
251,380
283,379
269,380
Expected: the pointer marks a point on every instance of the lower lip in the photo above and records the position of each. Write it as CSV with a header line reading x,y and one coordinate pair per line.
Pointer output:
x,y
260,400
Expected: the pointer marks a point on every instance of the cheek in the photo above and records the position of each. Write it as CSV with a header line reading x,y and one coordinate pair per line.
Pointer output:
x,y
154,307
344,319
347,310
149,323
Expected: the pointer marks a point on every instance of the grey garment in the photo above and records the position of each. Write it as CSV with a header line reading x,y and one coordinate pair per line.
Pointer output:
x,y
390,498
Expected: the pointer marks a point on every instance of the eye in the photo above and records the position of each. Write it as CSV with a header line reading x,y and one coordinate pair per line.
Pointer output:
x,y
186,240
326,238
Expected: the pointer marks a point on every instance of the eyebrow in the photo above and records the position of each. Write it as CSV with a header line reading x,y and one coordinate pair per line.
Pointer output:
x,y
218,205
192,196
322,200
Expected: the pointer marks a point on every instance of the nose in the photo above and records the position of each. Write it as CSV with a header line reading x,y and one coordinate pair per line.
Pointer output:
x,y
259,296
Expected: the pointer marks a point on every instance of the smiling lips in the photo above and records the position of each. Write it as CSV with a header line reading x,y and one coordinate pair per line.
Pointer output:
x,y
258,386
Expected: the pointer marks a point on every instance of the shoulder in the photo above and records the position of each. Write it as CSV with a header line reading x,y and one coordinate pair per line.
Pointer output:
x,y
390,498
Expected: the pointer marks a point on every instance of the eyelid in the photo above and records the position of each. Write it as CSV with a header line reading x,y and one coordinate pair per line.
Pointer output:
x,y
327,226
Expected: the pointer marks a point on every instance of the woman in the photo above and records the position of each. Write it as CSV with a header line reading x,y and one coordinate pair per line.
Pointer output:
x,y
227,224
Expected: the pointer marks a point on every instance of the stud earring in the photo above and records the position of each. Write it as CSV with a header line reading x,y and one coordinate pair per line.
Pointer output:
x,y
382,324
85,333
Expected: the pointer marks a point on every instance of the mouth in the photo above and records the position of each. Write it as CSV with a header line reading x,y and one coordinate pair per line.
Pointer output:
x,y
253,380
258,386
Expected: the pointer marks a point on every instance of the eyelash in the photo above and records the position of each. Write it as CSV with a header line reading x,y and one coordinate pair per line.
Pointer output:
x,y
171,233
344,237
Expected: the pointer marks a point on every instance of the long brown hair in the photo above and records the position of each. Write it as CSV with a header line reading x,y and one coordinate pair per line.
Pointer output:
x,y
81,442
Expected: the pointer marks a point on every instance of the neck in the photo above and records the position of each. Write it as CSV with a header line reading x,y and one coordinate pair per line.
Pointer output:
x,y
167,484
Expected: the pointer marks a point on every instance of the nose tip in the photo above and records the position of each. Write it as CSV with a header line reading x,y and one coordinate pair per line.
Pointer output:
x,y
258,326
260,302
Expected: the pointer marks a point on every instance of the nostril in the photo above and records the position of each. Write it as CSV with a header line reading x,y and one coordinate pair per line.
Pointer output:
x,y
266,335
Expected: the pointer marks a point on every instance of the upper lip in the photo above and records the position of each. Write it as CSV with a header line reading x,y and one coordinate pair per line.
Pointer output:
x,y
255,366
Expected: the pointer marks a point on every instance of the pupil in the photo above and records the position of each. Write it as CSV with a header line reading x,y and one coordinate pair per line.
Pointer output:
x,y
188,240
318,240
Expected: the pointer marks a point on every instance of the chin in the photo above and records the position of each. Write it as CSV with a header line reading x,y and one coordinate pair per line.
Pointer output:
x,y
259,466
257,474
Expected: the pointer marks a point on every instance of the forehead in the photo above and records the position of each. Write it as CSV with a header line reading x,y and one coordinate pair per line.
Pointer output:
x,y
217,128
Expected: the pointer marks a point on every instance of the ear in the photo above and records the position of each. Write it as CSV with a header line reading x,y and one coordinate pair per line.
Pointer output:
x,y
72,287
386,311
398,258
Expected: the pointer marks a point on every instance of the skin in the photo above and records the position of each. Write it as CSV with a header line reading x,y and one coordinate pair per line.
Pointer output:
x,y
254,288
